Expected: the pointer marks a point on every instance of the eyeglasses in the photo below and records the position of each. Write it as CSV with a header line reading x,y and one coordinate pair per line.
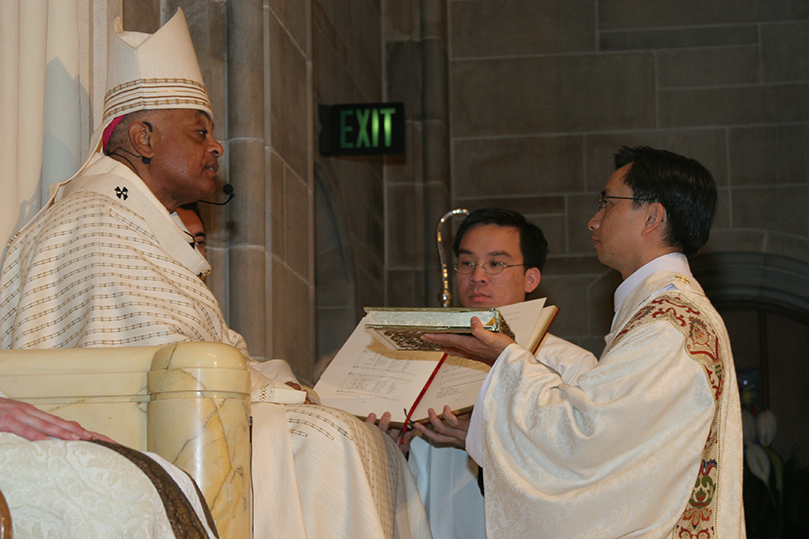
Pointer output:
x,y
602,200
489,268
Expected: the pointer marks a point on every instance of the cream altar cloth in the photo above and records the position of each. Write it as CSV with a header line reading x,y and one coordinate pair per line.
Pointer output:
x,y
79,490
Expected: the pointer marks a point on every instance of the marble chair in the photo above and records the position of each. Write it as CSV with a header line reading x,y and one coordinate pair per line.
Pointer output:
x,y
187,402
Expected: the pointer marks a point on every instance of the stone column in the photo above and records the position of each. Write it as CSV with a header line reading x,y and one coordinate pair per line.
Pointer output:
x,y
435,137
417,187
247,212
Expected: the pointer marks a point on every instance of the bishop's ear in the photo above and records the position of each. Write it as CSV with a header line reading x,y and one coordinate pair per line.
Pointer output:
x,y
140,135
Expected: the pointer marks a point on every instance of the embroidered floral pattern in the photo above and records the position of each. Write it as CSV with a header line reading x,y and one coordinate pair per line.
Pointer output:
x,y
702,345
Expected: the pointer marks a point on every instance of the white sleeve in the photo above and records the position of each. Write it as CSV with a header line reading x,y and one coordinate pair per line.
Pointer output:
x,y
569,360
275,370
474,438
637,421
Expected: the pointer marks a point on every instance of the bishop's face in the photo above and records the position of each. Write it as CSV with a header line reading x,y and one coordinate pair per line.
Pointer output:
x,y
184,166
484,244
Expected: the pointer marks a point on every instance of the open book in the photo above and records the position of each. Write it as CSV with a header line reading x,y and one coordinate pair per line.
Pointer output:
x,y
367,377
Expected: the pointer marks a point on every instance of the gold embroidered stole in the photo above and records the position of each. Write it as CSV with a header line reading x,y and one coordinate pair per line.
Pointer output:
x,y
702,345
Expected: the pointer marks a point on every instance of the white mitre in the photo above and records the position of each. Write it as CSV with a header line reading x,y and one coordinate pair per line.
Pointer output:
x,y
147,72
151,71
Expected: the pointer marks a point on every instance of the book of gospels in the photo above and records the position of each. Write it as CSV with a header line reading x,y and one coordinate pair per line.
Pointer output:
x,y
367,376
401,329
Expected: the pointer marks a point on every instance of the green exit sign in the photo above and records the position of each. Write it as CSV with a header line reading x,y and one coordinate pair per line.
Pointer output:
x,y
362,129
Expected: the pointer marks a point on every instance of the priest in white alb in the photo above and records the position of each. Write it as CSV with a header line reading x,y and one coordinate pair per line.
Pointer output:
x,y
648,443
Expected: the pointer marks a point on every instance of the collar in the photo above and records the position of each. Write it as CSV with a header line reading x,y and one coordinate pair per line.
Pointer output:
x,y
676,262
109,177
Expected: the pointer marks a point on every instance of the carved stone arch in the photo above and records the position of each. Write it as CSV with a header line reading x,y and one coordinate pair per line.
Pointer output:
x,y
764,300
755,265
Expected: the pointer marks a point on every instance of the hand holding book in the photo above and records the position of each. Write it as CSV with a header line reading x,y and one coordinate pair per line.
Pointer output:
x,y
402,436
483,345
451,430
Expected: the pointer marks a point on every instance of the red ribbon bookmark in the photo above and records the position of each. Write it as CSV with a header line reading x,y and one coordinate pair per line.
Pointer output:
x,y
407,421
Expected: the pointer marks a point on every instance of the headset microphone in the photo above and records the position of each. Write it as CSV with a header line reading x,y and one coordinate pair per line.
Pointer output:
x,y
228,190
146,160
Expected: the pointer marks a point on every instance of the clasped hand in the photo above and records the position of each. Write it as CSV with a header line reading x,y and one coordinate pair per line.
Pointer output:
x,y
452,430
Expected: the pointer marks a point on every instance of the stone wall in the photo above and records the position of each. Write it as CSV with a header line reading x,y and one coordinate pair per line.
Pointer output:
x,y
350,222
517,103
542,93
287,185
417,186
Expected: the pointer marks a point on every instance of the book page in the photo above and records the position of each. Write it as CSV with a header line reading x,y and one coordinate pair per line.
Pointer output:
x,y
366,377
456,385
532,320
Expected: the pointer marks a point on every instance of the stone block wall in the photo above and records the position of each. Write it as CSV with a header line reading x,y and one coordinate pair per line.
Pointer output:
x,y
542,92
287,187
347,67
417,185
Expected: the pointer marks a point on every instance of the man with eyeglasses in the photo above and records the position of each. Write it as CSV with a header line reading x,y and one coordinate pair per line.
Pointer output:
x,y
648,444
500,256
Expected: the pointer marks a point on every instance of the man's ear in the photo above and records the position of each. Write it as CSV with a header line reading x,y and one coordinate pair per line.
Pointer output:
x,y
532,278
140,136
655,218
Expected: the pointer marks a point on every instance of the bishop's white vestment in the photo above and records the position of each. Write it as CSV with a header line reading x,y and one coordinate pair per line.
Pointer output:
x,y
104,264
647,445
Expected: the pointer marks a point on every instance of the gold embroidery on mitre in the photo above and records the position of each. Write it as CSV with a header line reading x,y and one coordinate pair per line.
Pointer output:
x,y
142,94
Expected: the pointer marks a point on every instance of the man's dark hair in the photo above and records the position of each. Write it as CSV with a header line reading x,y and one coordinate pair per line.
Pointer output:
x,y
194,207
533,245
683,186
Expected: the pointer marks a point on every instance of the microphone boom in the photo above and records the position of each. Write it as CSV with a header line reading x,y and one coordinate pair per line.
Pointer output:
x,y
228,190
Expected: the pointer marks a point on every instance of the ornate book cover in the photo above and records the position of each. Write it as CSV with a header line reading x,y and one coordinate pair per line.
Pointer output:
x,y
402,328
